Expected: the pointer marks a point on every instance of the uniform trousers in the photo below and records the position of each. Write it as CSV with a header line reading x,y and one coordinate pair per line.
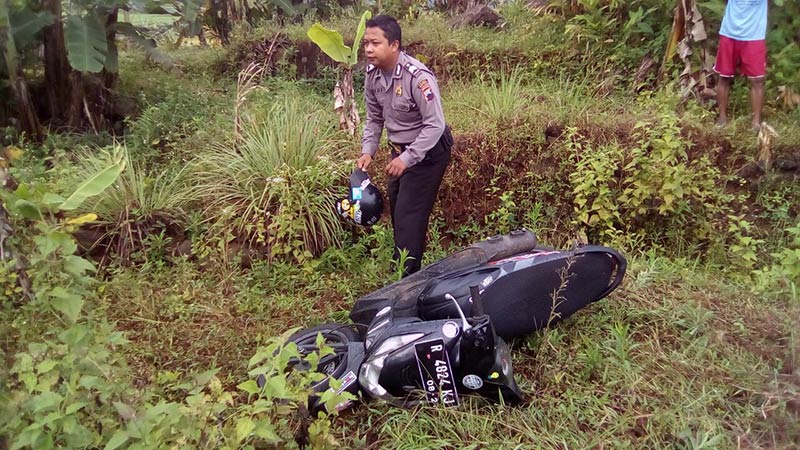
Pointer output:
x,y
411,199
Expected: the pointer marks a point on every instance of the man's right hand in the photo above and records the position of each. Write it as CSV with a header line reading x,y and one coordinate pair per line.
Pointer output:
x,y
364,161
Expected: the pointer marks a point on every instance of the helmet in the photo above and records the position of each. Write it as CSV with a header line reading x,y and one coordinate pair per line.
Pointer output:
x,y
364,204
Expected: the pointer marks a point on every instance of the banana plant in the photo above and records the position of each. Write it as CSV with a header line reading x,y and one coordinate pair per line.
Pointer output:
x,y
11,33
78,39
332,44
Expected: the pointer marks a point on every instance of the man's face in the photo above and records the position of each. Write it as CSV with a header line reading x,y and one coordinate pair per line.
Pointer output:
x,y
378,49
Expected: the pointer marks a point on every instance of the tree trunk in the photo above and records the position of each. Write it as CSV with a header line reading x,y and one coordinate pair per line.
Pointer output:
x,y
103,98
28,120
110,77
70,112
76,100
56,66
344,102
201,36
220,21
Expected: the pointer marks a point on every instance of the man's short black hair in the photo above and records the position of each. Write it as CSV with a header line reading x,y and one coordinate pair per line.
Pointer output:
x,y
389,26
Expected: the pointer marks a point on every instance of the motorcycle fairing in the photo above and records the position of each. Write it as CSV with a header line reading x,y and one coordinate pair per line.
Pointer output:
x,y
391,371
403,295
528,291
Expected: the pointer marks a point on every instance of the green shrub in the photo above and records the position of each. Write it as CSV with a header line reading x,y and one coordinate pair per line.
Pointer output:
x,y
623,31
782,277
503,100
68,384
651,187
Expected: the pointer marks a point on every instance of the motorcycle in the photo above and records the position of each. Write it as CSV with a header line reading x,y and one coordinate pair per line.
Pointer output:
x,y
441,333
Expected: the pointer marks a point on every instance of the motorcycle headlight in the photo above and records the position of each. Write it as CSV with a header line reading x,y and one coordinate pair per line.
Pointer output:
x,y
370,372
372,333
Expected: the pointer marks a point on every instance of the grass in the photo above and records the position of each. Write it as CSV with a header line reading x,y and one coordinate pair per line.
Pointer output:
x,y
683,355
652,367
276,187
137,193
533,36
673,359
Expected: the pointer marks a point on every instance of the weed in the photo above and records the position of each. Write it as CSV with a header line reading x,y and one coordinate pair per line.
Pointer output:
x,y
783,275
503,100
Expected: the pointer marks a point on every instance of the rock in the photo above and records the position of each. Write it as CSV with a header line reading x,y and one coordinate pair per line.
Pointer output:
x,y
553,131
124,106
92,240
479,15
785,165
750,171
184,248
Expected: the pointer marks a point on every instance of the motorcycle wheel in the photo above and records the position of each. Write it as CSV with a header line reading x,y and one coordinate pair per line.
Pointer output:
x,y
337,336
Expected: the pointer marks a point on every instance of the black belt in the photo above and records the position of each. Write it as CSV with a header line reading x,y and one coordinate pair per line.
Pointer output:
x,y
397,148
400,148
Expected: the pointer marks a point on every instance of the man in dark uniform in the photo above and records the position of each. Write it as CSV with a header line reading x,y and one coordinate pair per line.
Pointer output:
x,y
402,96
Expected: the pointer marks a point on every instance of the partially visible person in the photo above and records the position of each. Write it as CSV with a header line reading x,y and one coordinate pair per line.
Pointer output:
x,y
403,97
742,46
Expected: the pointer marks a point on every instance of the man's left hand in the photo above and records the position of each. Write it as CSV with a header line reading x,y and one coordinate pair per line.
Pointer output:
x,y
396,167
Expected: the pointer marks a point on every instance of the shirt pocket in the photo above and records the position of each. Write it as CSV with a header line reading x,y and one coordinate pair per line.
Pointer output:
x,y
404,109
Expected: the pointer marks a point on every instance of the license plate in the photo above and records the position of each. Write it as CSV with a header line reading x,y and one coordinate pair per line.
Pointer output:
x,y
436,373
347,381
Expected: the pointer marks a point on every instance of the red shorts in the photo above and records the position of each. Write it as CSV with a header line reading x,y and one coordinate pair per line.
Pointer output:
x,y
750,57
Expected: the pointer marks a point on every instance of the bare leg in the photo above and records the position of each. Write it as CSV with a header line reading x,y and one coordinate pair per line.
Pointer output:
x,y
756,99
723,90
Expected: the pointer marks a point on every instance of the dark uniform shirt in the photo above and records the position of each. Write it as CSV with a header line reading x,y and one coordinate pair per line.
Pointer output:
x,y
408,105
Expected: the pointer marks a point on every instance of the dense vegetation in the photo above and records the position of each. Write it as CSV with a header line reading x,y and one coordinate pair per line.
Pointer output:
x,y
159,236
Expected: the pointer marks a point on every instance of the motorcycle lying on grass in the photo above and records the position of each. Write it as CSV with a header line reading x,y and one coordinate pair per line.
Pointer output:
x,y
441,333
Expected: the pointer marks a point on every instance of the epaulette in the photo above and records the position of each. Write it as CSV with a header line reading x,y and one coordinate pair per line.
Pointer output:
x,y
414,70
370,67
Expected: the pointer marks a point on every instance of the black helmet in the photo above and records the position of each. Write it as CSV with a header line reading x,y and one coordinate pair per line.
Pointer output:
x,y
364,204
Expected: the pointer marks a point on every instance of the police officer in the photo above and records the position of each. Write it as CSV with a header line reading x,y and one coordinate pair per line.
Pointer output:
x,y
402,96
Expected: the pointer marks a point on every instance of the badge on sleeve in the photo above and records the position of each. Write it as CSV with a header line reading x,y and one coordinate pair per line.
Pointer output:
x,y
427,92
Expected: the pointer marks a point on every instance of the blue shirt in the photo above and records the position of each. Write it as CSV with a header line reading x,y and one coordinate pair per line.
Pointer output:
x,y
745,20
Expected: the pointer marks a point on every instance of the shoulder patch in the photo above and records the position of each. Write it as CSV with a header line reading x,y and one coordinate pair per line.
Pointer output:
x,y
414,70
425,87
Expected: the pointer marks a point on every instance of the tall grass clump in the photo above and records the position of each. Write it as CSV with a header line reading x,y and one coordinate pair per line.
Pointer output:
x,y
141,202
276,188
500,100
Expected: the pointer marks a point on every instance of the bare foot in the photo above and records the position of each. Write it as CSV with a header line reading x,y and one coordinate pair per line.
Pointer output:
x,y
755,125
722,122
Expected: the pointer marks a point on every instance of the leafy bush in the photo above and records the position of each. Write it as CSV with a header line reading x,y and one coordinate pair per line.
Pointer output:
x,y
784,44
68,385
783,275
502,100
624,31
652,188
168,114
174,117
